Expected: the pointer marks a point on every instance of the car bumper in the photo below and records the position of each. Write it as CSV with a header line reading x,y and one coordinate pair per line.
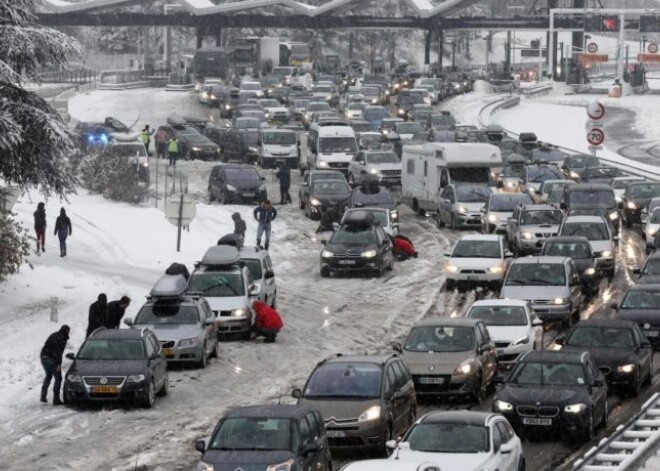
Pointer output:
x,y
552,312
445,385
351,265
495,228
233,326
355,435
468,220
529,246
126,392
246,196
561,423
476,279
192,353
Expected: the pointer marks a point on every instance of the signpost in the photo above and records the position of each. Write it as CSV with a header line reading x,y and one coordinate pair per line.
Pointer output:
x,y
180,210
595,136
595,133
592,48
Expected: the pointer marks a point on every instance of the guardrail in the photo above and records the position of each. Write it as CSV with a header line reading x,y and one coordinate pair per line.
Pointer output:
x,y
629,442
538,90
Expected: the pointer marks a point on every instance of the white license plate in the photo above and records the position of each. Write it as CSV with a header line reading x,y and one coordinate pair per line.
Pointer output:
x,y
346,262
431,380
651,333
248,194
472,277
536,421
336,433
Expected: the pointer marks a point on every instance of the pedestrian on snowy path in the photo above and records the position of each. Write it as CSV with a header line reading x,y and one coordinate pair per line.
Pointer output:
x,y
267,322
51,360
62,230
173,150
239,229
40,226
284,175
146,137
264,214
98,314
162,138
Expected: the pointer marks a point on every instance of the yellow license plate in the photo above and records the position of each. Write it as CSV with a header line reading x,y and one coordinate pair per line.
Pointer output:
x,y
168,352
104,390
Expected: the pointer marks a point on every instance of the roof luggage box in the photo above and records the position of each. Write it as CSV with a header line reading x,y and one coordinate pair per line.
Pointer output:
x,y
221,255
359,219
169,286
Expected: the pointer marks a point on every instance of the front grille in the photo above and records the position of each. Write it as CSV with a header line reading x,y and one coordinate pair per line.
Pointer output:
x,y
546,411
167,343
332,420
224,313
338,164
109,380
545,235
391,172
527,411
501,344
473,271
345,441
542,301
542,411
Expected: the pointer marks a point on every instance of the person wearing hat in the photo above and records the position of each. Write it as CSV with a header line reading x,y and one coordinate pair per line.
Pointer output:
x,y
51,360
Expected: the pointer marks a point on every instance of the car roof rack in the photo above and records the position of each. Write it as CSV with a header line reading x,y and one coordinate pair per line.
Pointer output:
x,y
359,219
221,255
169,286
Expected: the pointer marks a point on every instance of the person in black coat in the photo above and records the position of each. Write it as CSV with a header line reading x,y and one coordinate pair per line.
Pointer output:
x,y
51,360
284,175
98,314
40,226
63,230
264,214
116,311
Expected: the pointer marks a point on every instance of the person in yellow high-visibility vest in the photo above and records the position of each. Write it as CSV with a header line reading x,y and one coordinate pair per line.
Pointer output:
x,y
173,150
145,135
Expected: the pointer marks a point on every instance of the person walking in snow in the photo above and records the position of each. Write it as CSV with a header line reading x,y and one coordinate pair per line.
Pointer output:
x,y
51,360
239,229
161,139
173,150
145,135
62,230
40,226
98,314
264,214
284,175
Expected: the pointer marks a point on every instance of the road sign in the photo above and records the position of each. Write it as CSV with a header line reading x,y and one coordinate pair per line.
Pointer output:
x,y
183,203
596,136
648,57
653,48
593,148
595,111
592,48
592,57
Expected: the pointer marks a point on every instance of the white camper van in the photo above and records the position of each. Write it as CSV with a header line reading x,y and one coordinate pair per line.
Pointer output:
x,y
427,168
329,146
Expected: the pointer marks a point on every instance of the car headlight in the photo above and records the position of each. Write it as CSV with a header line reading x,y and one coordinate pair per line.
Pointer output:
x,y
522,341
74,379
462,209
323,164
527,235
590,271
286,466
606,253
492,218
188,342
560,301
195,148
253,149
614,216
451,268
369,254
575,175
464,368
238,312
497,269
231,188
401,111
618,198
394,214
575,408
626,368
228,107
374,101
373,413
145,164
652,231
510,184
267,114
135,378
328,97
265,151
327,254
314,202
632,205
531,189
203,466
374,171
502,406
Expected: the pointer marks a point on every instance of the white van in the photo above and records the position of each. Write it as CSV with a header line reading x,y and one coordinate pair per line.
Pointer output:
x,y
427,168
329,146
278,146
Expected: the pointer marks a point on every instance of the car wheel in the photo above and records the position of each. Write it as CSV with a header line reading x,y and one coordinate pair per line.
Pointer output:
x,y
454,222
387,435
649,378
274,301
149,395
68,400
637,383
211,198
627,222
301,203
390,267
325,273
166,385
479,392
204,360
439,220
450,285
214,353
308,213
606,415
351,179
588,432
521,464
380,270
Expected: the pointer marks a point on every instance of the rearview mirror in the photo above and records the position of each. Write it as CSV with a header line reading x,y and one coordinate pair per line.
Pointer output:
x,y
296,393
637,271
597,383
499,379
255,290
269,274
506,448
397,347
200,445
209,321
310,447
559,340
335,226
537,322
323,241
614,305
70,356
391,444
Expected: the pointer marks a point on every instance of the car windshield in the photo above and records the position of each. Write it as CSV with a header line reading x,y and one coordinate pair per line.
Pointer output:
x,y
557,374
582,161
374,114
410,99
356,106
641,299
250,86
323,89
513,172
318,106
254,267
281,138
328,145
270,103
506,203
623,183
541,216
217,284
574,250
330,188
167,313
643,190
592,231
443,120
111,349
354,237
381,158
433,437
234,174
477,249
549,186
380,216
499,315
603,198
540,174
345,380
440,339
255,434
472,193
602,172
380,197
588,336
247,123
409,128
536,274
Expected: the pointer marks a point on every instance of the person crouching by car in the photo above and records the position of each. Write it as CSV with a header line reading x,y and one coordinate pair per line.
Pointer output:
x,y
267,323
403,248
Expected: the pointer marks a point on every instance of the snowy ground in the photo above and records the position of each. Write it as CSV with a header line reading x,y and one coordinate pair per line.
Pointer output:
x,y
121,249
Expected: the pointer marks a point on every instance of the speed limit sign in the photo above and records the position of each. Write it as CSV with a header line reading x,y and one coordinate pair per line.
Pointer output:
x,y
592,48
595,136
652,48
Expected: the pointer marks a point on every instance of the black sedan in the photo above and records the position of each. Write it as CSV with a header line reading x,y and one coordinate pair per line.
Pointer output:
x,y
575,165
199,147
323,194
641,304
236,183
558,392
650,273
579,250
635,197
619,347
117,365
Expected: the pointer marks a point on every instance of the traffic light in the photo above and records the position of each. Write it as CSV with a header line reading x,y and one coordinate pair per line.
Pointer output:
x,y
649,24
602,23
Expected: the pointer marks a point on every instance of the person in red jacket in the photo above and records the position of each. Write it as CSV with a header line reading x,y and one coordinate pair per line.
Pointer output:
x,y
403,248
267,323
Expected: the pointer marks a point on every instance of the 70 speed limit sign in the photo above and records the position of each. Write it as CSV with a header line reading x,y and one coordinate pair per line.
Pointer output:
x,y
595,136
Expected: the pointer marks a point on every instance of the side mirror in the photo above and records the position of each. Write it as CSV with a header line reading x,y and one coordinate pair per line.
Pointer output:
x,y
323,241
506,448
255,290
560,340
263,178
562,206
537,322
128,321
614,305
508,254
637,271
70,356
483,210
310,447
395,225
209,321
499,379
269,274
616,238
447,254
391,444
620,204
644,344
500,184
538,192
397,347
296,393
597,383
335,226
200,445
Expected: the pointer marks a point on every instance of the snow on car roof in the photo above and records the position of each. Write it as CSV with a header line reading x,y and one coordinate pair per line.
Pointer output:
x,y
221,255
169,286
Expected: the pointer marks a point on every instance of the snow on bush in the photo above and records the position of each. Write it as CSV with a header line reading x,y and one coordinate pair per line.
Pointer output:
x,y
114,178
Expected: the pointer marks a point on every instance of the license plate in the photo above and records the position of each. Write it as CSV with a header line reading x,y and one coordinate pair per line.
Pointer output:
x,y
472,277
651,333
248,194
347,262
168,352
536,421
104,390
431,380
336,433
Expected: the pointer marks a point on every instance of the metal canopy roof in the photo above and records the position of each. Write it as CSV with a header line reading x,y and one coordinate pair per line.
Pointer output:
x,y
422,8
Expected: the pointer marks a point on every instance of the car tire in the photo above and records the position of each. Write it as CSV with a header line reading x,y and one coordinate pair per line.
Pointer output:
x,y
149,397
521,464
606,415
325,273
273,304
649,378
383,451
68,400
204,360
301,202
450,285
627,222
637,384
587,434
214,353
479,393
166,385
211,198
439,220
390,267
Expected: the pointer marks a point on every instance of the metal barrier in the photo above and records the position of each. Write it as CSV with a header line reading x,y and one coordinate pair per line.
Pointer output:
x,y
538,90
69,76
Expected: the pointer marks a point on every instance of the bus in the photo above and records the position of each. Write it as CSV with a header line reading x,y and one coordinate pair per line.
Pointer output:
x,y
210,62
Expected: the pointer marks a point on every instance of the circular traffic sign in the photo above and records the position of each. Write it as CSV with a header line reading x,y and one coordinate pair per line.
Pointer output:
x,y
596,110
595,136
592,48
653,48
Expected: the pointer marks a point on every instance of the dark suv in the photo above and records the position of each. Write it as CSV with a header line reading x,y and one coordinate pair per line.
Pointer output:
x,y
239,144
236,183
365,399
274,437
117,365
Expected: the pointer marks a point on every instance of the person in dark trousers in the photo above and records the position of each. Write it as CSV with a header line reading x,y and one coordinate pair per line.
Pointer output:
x,y
51,360
62,230
98,314
331,215
161,139
173,150
267,321
146,137
40,226
116,311
264,214
284,175
239,229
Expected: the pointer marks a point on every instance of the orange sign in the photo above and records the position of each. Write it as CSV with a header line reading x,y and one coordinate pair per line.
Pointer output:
x,y
592,57
648,57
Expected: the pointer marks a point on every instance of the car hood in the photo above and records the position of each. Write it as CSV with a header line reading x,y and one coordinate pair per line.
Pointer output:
x,y
472,207
442,362
247,460
508,333
227,303
500,215
108,367
331,200
340,408
605,356
476,263
601,245
651,316
649,280
396,166
543,395
172,331
534,292
246,184
277,109
540,228
450,461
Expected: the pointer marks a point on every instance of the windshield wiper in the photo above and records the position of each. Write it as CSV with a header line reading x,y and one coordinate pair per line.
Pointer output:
x,y
515,282
538,281
222,283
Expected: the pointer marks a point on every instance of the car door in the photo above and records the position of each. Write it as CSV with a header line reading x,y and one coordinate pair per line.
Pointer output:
x,y
306,438
501,460
394,401
407,389
157,361
486,353
644,351
318,457
574,285
445,203
598,393
357,165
